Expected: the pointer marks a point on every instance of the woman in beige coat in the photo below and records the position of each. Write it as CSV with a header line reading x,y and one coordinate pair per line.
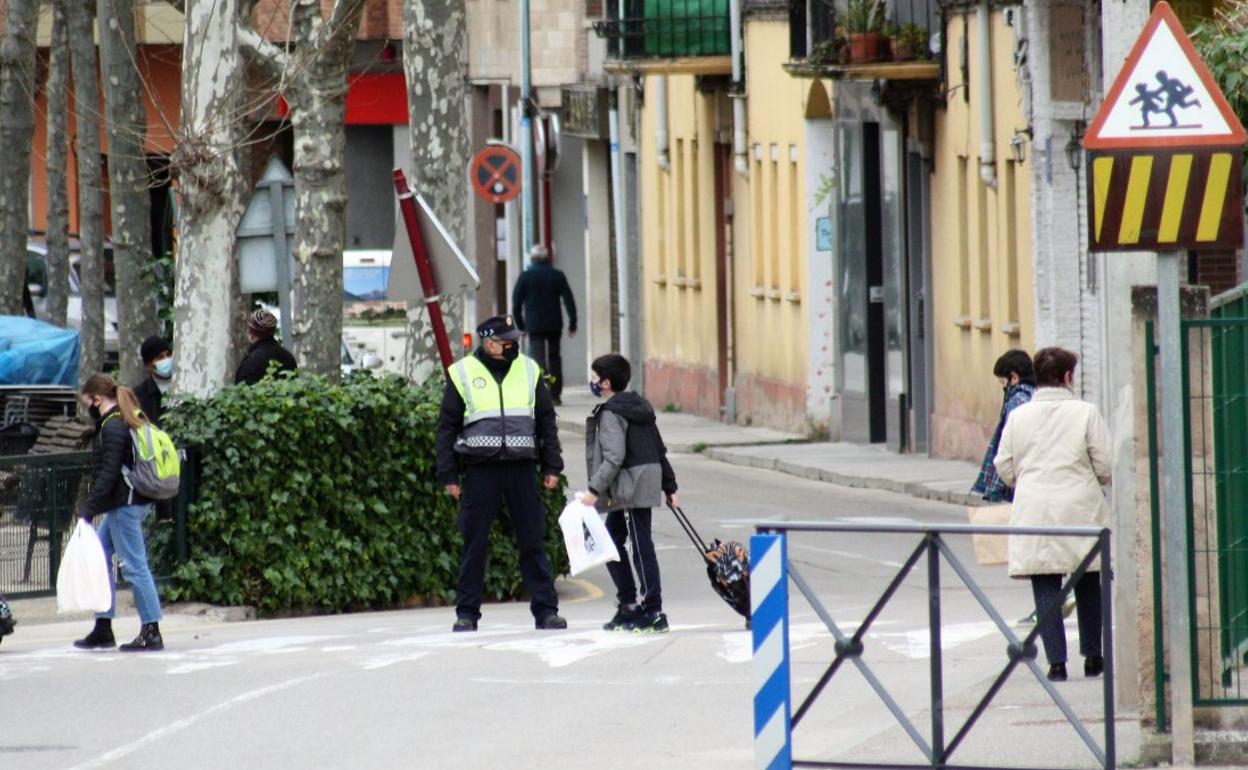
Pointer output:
x,y
1056,453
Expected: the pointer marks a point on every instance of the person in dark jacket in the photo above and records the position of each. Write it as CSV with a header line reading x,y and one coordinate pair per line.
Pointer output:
x,y
629,475
116,411
158,361
497,422
265,351
535,301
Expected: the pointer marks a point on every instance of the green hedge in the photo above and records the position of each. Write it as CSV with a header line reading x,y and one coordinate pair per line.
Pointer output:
x,y
315,496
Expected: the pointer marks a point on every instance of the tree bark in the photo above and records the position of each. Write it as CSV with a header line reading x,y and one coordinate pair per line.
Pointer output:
x,y
435,45
128,183
57,302
318,99
90,186
17,130
211,186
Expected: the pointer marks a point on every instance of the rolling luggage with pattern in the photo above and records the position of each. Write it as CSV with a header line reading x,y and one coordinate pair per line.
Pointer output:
x,y
727,566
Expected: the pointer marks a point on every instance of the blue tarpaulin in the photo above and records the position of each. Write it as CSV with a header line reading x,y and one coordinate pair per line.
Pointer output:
x,y
37,353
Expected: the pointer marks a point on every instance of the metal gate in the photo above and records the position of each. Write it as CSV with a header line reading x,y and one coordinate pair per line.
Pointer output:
x,y
1215,398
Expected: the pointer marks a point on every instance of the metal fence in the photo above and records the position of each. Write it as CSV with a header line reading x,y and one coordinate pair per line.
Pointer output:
x,y
1215,398
39,495
770,572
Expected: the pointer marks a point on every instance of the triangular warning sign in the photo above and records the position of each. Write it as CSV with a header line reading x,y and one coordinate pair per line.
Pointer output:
x,y
1164,96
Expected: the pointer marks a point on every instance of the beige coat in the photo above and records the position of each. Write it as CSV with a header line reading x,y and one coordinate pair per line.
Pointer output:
x,y
1056,453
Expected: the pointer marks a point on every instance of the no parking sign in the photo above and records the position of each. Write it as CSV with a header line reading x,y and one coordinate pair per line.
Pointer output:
x,y
495,173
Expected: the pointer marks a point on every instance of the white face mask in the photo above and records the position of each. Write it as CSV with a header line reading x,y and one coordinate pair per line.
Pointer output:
x,y
164,368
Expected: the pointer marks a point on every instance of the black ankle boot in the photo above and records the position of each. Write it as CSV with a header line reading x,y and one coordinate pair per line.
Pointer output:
x,y
1057,672
100,638
1093,665
148,640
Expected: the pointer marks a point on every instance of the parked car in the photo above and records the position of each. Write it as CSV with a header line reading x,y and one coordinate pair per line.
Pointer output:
x,y
37,283
369,361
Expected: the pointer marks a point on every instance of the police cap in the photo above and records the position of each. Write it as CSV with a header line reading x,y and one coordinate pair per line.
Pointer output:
x,y
500,327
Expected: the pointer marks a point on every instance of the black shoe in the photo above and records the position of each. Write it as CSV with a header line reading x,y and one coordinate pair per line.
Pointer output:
x,y
623,619
100,638
551,622
148,640
464,624
1057,672
651,623
1093,665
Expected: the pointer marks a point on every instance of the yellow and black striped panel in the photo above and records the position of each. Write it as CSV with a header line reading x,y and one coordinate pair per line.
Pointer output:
x,y
1160,200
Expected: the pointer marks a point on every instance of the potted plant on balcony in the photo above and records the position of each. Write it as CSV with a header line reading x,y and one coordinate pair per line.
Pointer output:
x,y
910,43
863,21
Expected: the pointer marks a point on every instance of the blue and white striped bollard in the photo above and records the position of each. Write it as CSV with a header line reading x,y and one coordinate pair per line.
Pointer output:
x,y
769,603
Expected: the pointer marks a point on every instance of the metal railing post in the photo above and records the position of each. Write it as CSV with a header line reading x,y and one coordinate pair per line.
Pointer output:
x,y
769,605
938,679
1107,651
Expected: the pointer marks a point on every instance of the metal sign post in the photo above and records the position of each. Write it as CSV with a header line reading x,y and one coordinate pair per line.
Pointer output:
x,y
277,203
1165,154
407,204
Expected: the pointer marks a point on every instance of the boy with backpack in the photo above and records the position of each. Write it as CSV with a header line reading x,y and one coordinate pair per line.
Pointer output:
x,y
629,475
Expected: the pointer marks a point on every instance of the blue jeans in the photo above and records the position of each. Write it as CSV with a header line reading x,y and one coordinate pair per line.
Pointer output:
x,y
122,532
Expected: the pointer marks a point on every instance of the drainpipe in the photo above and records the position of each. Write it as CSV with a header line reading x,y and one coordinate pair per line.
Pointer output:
x,y
738,89
660,133
621,239
987,147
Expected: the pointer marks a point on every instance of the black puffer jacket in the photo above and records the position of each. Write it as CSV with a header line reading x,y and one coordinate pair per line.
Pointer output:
x,y
111,449
535,300
255,365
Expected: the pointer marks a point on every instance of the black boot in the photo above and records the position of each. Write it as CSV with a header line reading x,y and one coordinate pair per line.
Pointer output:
x,y
1057,672
100,638
148,640
1093,665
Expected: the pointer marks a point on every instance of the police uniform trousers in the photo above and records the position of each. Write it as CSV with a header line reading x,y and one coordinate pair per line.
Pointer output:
x,y
485,487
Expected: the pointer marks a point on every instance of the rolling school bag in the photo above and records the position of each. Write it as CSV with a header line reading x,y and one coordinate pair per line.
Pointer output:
x,y
727,566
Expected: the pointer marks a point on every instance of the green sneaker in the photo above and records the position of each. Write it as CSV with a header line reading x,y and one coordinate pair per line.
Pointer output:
x,y
651,623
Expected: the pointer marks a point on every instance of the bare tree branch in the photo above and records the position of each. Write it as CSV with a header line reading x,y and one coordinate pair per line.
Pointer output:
x,y
272,59
344,20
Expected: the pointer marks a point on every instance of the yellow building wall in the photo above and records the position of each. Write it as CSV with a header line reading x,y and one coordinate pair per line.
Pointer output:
x,y
982,276
770,233
768,243
678,246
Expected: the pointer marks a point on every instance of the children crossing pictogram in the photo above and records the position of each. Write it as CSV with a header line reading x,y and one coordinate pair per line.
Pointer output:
x,y
1177,96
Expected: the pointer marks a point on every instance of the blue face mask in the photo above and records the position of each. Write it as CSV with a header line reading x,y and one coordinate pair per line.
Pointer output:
x,y
164,368
596,389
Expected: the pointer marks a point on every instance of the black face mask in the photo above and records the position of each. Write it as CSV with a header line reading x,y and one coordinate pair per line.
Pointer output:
x,y
511,352
94,411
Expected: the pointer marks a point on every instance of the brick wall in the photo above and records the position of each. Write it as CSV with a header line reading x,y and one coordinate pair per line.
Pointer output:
x,y
1219,271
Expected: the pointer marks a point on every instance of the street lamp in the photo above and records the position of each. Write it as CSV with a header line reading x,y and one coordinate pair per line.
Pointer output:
x,y
1074,147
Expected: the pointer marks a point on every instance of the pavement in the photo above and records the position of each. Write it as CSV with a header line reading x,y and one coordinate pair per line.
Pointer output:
x,y
863,466
397,689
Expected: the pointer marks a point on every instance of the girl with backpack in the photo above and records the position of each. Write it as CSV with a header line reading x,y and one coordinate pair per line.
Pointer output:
x,y
116,412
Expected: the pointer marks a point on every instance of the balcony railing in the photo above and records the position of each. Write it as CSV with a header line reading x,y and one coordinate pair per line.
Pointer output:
x,y
823,32
654,29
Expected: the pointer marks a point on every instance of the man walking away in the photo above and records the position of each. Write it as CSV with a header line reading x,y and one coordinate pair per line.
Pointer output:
x,y
264,350
497,423
535,302
629,475
158,361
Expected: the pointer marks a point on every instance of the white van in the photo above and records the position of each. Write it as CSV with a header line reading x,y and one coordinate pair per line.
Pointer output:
x,y
365,274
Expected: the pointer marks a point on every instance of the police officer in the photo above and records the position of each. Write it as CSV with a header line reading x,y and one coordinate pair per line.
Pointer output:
x,y
497,421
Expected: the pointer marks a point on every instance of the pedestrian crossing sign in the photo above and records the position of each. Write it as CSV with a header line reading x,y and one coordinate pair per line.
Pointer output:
x,y
1164,96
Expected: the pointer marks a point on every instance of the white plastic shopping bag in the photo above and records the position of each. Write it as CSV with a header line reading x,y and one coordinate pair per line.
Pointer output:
x,y
586,537
82,581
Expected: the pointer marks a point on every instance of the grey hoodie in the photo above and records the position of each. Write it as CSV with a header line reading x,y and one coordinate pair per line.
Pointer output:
x,y
627,461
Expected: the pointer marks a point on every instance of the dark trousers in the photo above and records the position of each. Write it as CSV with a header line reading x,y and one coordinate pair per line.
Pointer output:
x,y
1045,588
544,349
485,488
634,524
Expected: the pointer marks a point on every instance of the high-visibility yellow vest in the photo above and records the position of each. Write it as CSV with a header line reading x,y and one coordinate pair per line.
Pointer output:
x,y
499,417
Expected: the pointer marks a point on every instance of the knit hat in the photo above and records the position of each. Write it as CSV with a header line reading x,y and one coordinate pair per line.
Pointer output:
x,y
152,348
262,322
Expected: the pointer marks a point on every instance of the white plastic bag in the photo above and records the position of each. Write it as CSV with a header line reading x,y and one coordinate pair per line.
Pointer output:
x,y
82,580
586,537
